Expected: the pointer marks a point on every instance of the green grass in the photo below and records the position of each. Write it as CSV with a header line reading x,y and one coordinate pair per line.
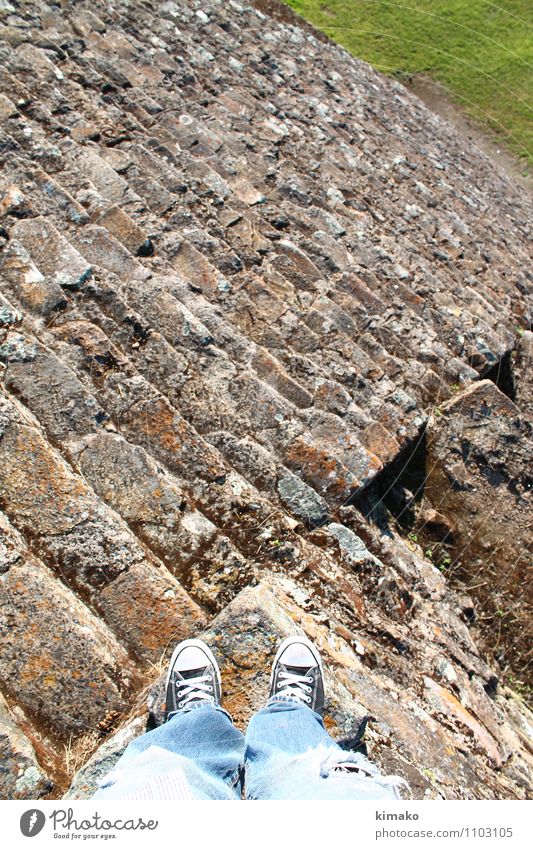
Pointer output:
x,y
480,52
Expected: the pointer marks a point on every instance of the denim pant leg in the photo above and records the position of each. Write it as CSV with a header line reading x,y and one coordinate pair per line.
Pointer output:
x,y
199,748
290,755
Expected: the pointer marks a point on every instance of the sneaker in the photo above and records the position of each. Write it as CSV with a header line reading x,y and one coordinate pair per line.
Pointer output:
x,y
193,677
297,673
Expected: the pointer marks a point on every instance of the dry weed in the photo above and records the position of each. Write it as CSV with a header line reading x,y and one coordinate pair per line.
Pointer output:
x,y
77,752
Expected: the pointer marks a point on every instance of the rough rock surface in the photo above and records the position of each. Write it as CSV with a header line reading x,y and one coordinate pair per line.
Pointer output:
x,y
239,271
479,474
20,774
523,368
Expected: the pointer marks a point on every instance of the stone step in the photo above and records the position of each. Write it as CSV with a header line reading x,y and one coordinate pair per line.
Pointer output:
x,y
107,182
15,91
161,364
256,145
190,132
204,180
85,22
239,348
433,379
311,357
260,403
242,231
394,337
53,193
147,418
207,263
138,410
158,167
99,247
217,508
272,372
205,561
395,327
335,328
14,203
55,257
22,776
214,500
90,547
22,281
50,389
123,228
69,413
197,270
67,672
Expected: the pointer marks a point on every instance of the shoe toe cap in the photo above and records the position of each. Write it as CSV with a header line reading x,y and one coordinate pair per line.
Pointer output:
x,y
298,654
191,657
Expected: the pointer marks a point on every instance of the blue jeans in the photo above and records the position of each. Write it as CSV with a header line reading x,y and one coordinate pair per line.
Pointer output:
x,y
286,754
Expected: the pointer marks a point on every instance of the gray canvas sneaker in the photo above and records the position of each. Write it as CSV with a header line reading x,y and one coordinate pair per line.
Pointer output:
x,y
193,677
297,673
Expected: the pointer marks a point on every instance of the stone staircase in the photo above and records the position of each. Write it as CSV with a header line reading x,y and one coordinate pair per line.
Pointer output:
x,y
239,271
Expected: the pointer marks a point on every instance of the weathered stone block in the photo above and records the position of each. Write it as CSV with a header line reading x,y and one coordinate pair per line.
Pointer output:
x,y
172,318
191,546
272,372
91,546
100,248
301,500
7,108
86,780
54,194
149,609
51,391
57,659
198,270
104,178
9,316
155,424
523,373
320,468
23,281
14,202
447,704
123,228
352,547
21,777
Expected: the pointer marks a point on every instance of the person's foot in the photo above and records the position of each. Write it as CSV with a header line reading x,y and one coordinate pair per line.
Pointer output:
x,y
297,673
193,677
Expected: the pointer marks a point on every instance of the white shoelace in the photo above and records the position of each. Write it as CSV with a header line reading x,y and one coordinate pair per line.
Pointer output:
x,y
195,688
294,686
